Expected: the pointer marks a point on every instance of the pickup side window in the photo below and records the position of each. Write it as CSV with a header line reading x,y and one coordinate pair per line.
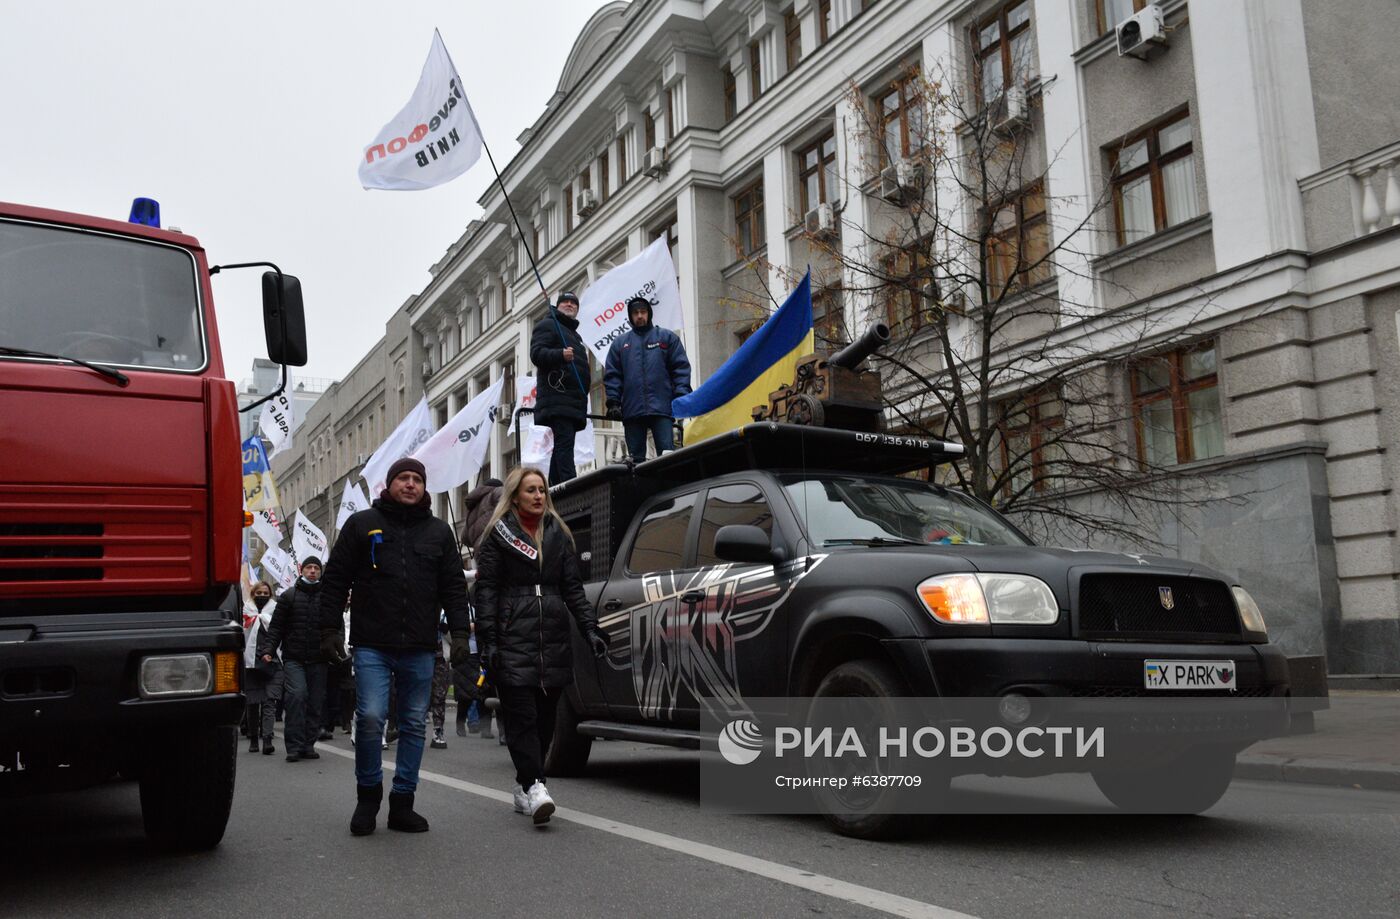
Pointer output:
x,y
740,503
660,542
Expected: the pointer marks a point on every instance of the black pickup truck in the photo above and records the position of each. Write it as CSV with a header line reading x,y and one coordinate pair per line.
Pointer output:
x,y
786,561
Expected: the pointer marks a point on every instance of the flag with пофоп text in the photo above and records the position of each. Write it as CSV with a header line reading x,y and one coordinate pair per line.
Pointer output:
x,y
432,140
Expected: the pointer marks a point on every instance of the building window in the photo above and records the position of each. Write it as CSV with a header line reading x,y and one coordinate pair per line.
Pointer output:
x,y
731,95
816,173
603,175
648,130
824,21
1028,440
670,113
901,113
792,37
1004,56
748,218
535,241
1154,179
621,160
908,285
1113,12
668,229
505,299
568,208
828,318
755,71
1176,407
1018,243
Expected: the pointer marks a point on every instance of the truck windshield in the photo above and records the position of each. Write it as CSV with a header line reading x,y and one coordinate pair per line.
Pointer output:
x,y
844,510
99,298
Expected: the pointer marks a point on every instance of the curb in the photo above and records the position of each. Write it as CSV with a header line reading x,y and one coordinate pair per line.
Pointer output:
x,y
1272,768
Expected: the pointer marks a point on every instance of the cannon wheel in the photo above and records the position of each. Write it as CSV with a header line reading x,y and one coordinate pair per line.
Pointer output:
x,y
805,409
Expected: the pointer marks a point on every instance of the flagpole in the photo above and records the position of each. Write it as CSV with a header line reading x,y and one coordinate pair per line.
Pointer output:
x,y
524,240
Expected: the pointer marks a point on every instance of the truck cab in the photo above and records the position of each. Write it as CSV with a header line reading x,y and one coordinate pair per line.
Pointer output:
x,y
120,519
790,561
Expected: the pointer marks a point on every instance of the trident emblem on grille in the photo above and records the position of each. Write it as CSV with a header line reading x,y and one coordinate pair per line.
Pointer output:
x,y
1165,595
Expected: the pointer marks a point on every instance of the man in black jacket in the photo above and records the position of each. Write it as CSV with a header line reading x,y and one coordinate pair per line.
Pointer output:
x,y
561,382
296,629
404,567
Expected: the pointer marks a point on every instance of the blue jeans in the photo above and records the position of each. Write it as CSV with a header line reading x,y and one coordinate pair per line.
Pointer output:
x,y
304,689
412,675
634,431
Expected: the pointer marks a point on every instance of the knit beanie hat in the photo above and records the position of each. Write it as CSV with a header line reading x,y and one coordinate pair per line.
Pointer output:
x,y
407,464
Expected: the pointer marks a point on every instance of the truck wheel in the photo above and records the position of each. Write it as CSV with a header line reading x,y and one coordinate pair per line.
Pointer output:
x,y
1188,783
187,787
875,680
568,749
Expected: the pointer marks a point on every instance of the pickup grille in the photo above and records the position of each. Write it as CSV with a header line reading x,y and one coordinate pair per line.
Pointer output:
x,y
1130,606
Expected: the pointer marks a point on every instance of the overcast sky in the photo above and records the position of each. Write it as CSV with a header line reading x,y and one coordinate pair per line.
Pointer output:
x,y
246,121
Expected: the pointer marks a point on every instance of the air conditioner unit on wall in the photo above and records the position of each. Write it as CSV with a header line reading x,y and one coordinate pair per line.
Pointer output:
x,y
1143,33
655,162
360,458
821,221
902,181
586,202
427,369
1013,110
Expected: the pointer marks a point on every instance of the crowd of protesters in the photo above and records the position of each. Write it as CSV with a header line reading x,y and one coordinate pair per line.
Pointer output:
x,y
396,616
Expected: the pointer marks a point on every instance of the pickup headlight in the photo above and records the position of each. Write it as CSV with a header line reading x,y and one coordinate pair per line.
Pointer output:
x,y
1006,599
1250,616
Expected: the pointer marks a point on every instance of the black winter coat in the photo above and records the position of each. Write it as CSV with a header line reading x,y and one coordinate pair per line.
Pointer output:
x,y
403,565
557,393
295,626
525,599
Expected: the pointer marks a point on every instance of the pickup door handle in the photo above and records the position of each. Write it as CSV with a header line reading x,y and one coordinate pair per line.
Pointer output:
x,y
611,605
692,597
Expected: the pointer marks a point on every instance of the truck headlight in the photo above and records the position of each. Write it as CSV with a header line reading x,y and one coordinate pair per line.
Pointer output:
x,y
171,675
1250,616
1007,599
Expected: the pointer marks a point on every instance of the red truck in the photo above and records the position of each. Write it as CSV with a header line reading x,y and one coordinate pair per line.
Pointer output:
x,y
121,514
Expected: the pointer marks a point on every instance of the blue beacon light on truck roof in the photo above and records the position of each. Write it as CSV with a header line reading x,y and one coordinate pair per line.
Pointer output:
x,y
145,211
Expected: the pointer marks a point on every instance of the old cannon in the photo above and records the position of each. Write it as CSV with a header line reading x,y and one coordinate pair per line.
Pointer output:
x,y
832,390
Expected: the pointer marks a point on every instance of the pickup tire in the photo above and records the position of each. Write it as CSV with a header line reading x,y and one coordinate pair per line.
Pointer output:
x,y
568,749
1188,783
876,680
187,787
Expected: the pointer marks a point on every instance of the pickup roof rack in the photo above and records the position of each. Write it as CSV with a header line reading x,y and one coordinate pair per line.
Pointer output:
x,y
599,506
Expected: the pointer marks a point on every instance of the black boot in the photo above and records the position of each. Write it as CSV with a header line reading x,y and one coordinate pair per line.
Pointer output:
x,y
367,798
268,748
253,744
402,816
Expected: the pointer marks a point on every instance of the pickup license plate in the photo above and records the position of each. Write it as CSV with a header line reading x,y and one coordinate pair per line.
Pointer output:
x,y
1190,675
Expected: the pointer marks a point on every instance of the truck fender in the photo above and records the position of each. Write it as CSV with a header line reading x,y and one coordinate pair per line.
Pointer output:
x,y
848,617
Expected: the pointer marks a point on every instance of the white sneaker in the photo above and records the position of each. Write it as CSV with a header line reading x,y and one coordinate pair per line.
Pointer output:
x,y
522,801
540,804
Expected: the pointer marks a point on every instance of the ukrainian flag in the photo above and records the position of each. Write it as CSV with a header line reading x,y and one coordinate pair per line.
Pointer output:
x,y
727,399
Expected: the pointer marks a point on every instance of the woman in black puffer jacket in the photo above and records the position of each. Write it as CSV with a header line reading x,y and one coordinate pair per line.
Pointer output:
x,y
528,588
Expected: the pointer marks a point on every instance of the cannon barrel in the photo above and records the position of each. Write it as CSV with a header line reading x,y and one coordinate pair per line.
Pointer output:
x,y
857,351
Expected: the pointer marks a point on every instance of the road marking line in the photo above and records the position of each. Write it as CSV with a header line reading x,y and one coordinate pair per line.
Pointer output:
x,y
868,897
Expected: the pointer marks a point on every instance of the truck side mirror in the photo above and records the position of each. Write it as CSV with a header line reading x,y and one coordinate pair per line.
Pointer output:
x,y
283,319
745,543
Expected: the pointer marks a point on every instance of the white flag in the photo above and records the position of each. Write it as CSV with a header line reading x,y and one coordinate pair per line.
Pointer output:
x,y
536,440
279,419
456,453
268,528
411,434
280,565
432,140
353,501
602,310
307,539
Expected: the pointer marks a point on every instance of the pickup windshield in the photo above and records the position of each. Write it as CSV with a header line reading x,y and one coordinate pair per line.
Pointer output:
x,y
853,510
99,298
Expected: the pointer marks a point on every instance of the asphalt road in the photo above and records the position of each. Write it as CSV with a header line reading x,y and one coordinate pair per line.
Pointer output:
x,y
631,839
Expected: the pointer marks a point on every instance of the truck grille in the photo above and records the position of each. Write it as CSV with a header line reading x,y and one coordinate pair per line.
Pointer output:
x,y
1134,606
44,544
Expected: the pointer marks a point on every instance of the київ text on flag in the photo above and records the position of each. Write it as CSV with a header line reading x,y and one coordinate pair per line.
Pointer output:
x,y
769,358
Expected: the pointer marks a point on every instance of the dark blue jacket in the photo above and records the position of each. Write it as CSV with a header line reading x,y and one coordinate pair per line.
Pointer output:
x,y
645,371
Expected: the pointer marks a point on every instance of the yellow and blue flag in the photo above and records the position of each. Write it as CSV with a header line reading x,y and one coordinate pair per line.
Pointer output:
x,y
769,358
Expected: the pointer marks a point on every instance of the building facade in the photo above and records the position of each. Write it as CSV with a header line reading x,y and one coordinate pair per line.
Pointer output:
x,y
1220,203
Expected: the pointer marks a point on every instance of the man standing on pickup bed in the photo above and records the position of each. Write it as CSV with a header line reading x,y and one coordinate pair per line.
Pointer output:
x,y
561,383
528,588
645,372
403,565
